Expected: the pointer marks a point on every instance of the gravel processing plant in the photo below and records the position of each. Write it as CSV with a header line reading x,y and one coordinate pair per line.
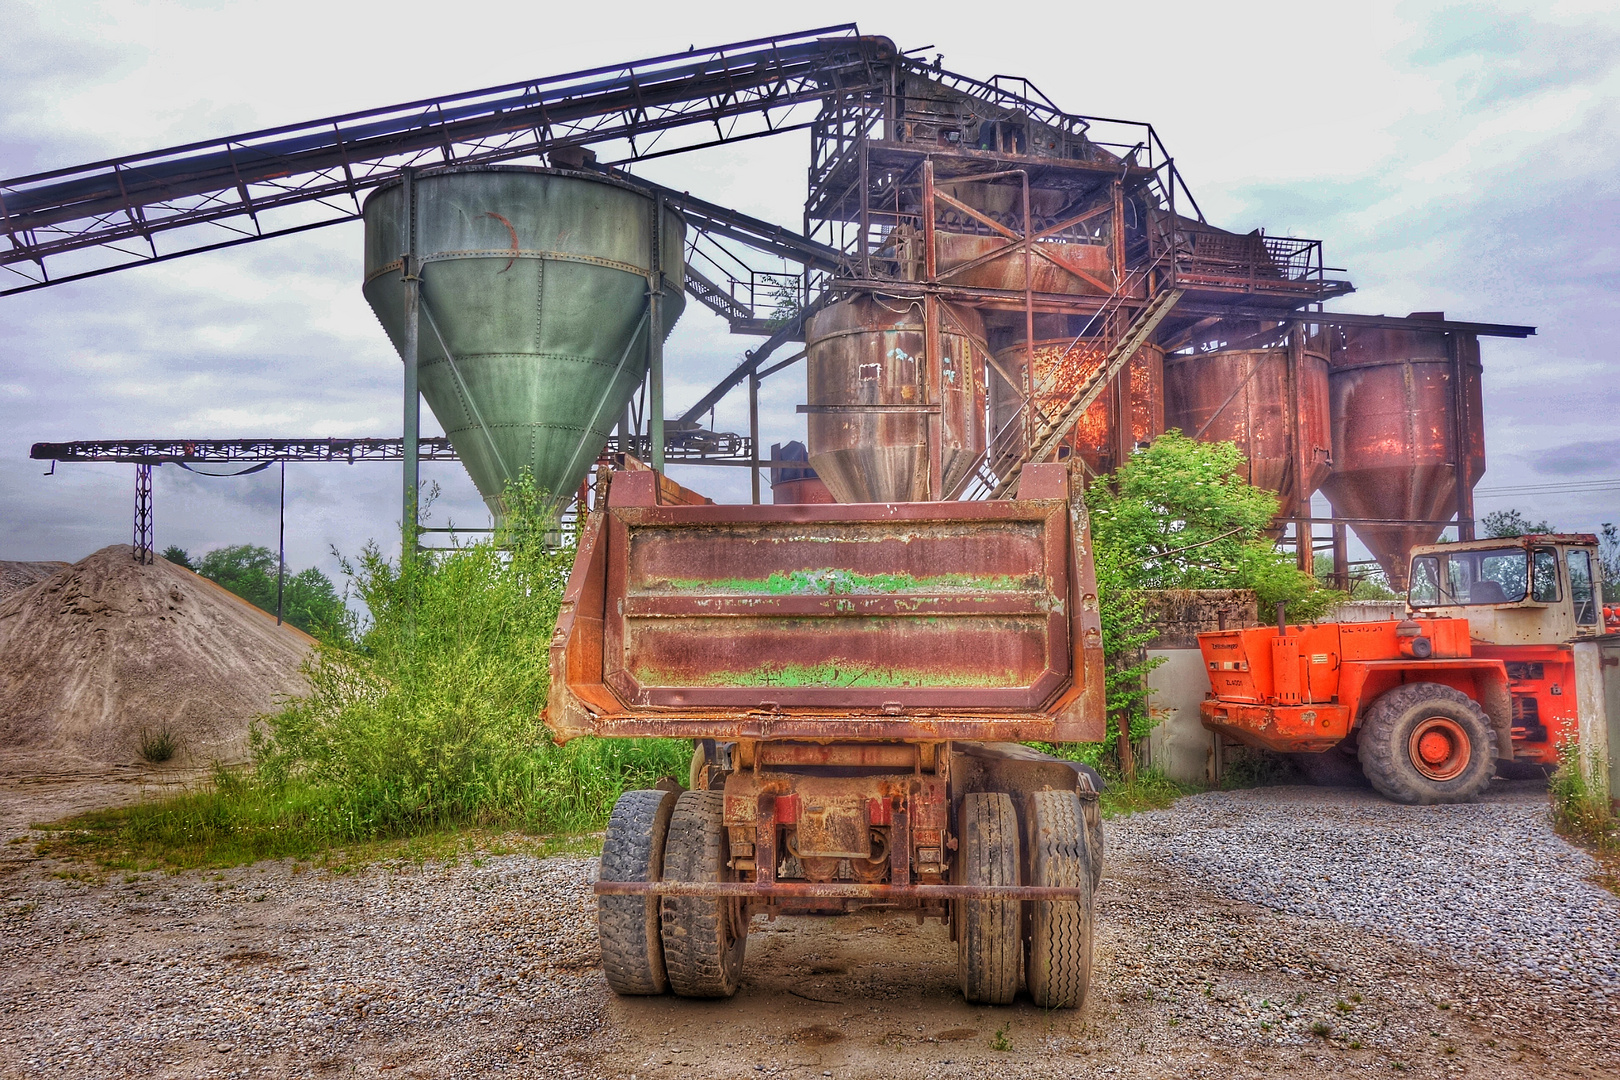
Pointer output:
x,y
997,304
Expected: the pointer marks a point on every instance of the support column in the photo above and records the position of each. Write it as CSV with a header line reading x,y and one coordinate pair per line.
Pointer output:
x,y
753,434
655,340
410,272
1341,557
281,544
1304,544
143,514
932,367
1464,429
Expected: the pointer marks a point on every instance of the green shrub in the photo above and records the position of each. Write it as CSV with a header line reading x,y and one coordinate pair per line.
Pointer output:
x,y
430,719
1578,811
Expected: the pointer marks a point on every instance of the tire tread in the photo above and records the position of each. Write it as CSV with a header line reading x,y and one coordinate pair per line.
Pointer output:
x,y
627,927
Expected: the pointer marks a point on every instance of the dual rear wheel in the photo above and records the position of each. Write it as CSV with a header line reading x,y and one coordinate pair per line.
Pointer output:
x,y
694,945
1048,940
689,944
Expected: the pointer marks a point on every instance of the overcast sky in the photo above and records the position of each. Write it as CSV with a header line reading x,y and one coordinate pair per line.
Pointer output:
x,y
1456,157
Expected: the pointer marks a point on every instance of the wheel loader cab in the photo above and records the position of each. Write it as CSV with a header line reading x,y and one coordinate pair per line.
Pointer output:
x,y
1524,590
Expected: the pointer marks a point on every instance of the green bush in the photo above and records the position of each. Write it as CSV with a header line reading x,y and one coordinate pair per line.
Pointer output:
x,y
429,719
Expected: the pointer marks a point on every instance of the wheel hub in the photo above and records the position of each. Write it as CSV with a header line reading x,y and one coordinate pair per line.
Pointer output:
x,y
1439,748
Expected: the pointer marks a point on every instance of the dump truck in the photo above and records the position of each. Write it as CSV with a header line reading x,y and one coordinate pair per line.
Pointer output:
x,y
858,680
1482,672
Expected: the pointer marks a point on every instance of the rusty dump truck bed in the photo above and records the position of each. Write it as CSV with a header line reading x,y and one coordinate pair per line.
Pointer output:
x,y
919,621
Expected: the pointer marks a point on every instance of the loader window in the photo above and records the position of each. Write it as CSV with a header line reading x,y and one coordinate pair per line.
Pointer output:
x,y
1470,577
1580,587
1425,590
1544,576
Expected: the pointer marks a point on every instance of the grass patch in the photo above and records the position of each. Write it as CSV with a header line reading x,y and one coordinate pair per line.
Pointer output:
x,y
1151,790
1582,816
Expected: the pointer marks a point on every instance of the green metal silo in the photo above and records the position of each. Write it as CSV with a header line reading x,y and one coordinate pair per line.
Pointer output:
x,y
534,317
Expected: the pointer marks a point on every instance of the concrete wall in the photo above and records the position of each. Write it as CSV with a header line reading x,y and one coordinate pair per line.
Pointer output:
x,y
1367,611
1179,745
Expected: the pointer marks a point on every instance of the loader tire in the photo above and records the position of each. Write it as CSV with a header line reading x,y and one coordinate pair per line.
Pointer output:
x,y
703,938
988,945
628,926
1427,743
1057,946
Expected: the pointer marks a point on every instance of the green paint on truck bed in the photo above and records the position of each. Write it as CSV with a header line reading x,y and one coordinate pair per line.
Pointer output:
x,y
832,674
832,581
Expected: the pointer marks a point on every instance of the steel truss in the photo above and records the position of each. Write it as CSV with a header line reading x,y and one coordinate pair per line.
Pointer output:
x,y
77,222
686,446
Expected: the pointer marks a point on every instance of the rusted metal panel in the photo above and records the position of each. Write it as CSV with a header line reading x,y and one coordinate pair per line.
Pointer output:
x,y
1242,396
865,621
870,400
1062,365
1062,268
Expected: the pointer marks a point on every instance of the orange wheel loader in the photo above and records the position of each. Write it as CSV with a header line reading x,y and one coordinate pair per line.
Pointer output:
x,y
1480,672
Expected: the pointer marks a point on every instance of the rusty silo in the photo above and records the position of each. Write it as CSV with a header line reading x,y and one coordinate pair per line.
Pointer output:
x,y
1398,421
1061,366
869,404
1242,396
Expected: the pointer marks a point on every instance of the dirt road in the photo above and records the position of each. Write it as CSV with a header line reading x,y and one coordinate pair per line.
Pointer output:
x,y
489,966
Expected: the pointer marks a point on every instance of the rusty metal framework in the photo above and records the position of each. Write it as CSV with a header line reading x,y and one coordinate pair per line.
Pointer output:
x,y
686,446
72,223
1067,248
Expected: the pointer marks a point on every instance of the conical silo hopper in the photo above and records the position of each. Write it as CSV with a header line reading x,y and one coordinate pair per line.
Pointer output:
x,y
534,322
1395,437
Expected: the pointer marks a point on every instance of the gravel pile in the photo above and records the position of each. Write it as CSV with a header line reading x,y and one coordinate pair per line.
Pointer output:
x,y
1489,879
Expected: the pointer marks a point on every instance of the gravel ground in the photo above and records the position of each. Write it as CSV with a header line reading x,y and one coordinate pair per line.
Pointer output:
x,y
1490,879
1221,952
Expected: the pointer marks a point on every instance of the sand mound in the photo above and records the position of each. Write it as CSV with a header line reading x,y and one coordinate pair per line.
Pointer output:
x,y
17,576
105,651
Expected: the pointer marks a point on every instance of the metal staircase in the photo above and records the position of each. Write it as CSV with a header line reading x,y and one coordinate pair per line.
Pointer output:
x,y
997,473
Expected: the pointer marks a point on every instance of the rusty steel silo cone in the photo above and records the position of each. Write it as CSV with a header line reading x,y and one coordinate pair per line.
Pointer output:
x,y
1395,437
1241,396
868,403
534,323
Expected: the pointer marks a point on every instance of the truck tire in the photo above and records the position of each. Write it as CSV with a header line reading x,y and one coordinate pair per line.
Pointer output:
x,y
703,938
628,926
988,939
1057,948
1091,812
1427,743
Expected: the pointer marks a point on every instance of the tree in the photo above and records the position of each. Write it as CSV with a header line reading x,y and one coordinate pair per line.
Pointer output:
x,y
309,601
1500,524
179,556
1609,560
1181,516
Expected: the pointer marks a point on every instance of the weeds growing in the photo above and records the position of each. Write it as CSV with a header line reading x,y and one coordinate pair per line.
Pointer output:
x,y
158,746
429,721
1582,815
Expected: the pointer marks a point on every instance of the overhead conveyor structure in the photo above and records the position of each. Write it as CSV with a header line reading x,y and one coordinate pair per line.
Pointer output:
x,y
1014,264
71,223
